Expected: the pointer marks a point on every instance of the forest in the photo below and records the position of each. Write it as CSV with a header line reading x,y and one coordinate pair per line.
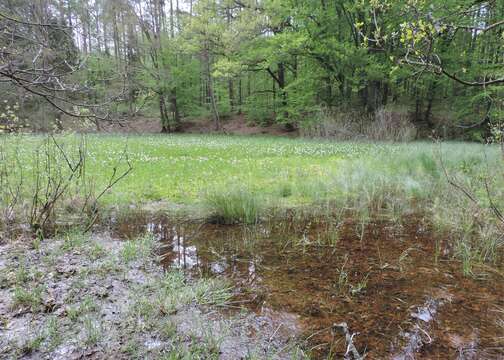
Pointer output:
x,y
252,179
326,67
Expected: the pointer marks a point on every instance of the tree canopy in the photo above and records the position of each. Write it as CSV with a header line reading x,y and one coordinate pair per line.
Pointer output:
x,y
282,61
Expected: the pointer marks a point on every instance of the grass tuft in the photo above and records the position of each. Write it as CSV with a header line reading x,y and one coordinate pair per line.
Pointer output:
x,y
138,249
31,298
233,206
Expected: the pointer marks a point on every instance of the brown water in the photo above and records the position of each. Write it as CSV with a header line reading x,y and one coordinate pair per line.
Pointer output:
x,y
398,289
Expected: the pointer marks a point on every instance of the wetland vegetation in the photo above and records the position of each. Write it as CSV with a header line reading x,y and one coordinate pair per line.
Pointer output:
x,y
299,234
251,179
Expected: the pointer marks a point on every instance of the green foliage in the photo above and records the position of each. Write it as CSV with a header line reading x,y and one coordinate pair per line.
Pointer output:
x,y
276,60
259,109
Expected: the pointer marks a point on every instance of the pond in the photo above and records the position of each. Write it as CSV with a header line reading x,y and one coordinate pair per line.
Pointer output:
x,y
395,284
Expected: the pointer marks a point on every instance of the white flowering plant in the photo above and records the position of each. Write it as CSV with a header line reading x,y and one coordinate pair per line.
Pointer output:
x,y
9,118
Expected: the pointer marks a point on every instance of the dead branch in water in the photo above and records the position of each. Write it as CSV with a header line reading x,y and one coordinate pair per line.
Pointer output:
x,y
351,349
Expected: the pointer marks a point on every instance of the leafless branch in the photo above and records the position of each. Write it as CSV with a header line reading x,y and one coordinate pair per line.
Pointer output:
x,y
349,337
115,177
19,21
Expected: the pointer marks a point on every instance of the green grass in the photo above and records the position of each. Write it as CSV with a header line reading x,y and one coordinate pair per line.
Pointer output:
x,y
233,206
180,168
31,298
242,179
138,249
183,168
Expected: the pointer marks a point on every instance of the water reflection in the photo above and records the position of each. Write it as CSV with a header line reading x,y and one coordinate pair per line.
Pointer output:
x,y
179,254
399,289
181,246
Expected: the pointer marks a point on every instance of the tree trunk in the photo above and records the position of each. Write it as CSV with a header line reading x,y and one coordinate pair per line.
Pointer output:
x,y
281,85
211,95
430,102
174,109
165,120
115,36
418,106
172,31
97,28
240,99
231,95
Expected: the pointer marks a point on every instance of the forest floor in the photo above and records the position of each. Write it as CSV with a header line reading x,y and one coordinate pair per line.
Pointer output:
x,y
236,125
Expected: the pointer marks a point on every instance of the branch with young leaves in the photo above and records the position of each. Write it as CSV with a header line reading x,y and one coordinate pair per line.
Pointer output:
x,y
426,29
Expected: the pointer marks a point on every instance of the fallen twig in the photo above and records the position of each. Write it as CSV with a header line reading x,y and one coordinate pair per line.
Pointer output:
x,y
351,349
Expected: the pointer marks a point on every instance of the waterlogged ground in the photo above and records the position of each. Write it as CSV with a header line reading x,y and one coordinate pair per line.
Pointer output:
x,y
394,284
183,168
80,297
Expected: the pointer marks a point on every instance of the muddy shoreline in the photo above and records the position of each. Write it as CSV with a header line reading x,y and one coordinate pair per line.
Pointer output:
x,y
100,297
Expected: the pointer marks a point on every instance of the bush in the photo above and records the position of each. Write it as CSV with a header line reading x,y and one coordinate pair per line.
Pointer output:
x,y
383,125
390,126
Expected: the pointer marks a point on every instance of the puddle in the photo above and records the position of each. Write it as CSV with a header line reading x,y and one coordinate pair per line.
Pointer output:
x,y
401,298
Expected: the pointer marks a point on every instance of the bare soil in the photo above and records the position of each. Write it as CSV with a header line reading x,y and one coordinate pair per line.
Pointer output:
x,y
237,125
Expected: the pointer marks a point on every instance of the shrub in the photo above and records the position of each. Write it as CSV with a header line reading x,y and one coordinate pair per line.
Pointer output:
x,y
390,126
383,125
